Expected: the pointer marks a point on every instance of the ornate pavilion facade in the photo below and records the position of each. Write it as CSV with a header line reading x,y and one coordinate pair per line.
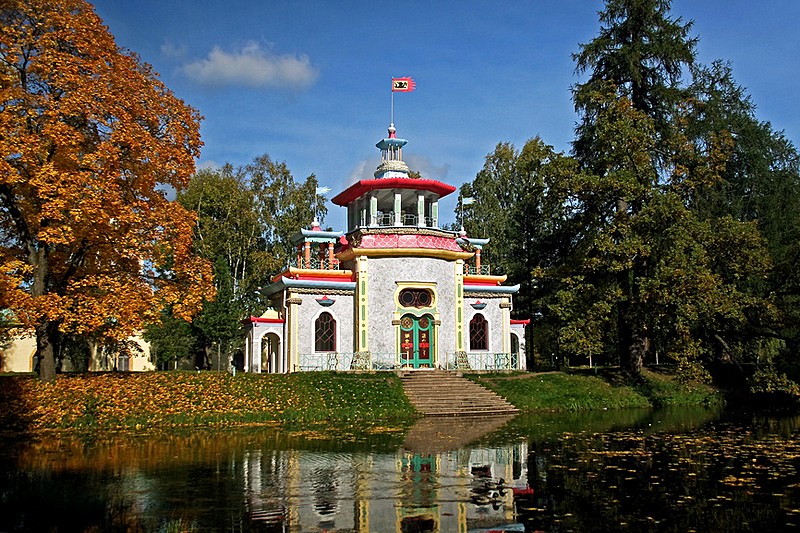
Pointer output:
x,y
395,291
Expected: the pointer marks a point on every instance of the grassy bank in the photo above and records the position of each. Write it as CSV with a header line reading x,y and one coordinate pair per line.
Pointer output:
x,y
180,399
558,391
148,400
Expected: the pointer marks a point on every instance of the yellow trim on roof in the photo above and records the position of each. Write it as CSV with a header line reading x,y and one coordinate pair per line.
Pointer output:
x,y
319,272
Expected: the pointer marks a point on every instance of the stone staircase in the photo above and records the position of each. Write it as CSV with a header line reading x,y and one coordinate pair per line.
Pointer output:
x,y
445,393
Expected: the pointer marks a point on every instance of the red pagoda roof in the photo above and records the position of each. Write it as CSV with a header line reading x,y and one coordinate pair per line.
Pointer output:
x,y
363,186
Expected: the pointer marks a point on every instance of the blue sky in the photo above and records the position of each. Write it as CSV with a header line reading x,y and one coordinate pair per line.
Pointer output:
x,y
308,82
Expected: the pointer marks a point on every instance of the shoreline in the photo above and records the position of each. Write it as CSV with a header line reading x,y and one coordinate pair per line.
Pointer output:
x,y
117,401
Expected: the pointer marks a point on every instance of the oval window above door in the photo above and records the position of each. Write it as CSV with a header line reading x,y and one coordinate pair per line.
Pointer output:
x,y
415,298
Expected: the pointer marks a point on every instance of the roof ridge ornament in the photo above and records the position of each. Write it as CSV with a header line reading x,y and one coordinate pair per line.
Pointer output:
x,y
392,164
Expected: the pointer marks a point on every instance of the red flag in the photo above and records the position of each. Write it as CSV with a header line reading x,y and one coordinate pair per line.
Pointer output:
x,y
403,85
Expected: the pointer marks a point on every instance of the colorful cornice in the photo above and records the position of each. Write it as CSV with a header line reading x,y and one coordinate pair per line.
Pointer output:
x,y
482,279
364,186
262,320
313,273
500,289
289,283
352,253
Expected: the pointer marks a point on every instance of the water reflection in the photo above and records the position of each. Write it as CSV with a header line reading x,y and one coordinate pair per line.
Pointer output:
x,y
633,470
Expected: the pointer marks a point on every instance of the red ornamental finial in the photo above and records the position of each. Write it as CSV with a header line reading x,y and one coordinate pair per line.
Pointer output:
x,y
392,131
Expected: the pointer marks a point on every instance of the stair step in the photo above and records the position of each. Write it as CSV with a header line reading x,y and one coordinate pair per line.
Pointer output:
x,y
444,393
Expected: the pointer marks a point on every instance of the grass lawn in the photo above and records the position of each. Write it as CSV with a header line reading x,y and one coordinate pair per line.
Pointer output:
x,y
177,399
560,391
148,400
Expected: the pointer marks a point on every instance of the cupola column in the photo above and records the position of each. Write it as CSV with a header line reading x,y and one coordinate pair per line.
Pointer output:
x,y
420,209
435,213
362,208
373,210
398,208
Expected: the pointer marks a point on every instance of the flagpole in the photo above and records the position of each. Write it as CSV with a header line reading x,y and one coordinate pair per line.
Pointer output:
x,y
391,116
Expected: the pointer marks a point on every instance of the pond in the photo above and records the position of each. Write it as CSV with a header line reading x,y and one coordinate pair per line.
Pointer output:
x,y
675,470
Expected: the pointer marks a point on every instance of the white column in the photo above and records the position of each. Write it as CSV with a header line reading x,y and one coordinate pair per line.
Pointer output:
x,y
248,349
373,210
255,356
398,208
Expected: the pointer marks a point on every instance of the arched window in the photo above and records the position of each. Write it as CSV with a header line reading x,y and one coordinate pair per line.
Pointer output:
x,y
325,333
478,333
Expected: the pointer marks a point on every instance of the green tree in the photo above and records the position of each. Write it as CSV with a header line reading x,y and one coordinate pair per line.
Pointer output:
x,y
642,53
284,206
515,206
246,218
171,339
760,183
653,276
219,324
639,56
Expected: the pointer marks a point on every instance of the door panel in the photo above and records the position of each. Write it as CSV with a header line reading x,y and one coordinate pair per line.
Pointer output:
x,y
416,341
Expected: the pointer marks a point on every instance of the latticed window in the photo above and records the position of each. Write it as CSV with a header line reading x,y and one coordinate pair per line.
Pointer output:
x,y
325,333
478,333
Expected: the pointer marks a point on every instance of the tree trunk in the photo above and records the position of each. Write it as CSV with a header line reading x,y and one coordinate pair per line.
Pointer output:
x,y
632,345
46,343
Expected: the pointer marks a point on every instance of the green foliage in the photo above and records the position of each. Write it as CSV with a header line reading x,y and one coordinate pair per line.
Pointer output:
x,y
171,340
642,53
517,206
246,218
767,381
666,233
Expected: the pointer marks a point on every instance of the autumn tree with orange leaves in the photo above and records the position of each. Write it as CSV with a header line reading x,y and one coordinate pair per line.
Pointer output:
x,y
90,139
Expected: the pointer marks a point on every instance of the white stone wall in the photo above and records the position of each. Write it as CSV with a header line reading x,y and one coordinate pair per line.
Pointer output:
x,y
493,315
383,276
310,309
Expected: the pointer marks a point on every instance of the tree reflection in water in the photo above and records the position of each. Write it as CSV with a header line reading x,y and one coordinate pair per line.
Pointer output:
x,y
637,471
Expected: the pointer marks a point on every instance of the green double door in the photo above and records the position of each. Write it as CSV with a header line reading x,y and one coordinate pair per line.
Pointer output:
x,y
416,341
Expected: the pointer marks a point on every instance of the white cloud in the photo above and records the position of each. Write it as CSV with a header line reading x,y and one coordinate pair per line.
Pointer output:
x,y
364,170
426,167
209,164
173,51
253,67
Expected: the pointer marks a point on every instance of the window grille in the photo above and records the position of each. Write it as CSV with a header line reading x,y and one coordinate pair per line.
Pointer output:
x,y
325,333
478,333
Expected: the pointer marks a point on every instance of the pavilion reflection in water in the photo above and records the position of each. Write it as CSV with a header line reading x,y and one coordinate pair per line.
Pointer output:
x,y
407,491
